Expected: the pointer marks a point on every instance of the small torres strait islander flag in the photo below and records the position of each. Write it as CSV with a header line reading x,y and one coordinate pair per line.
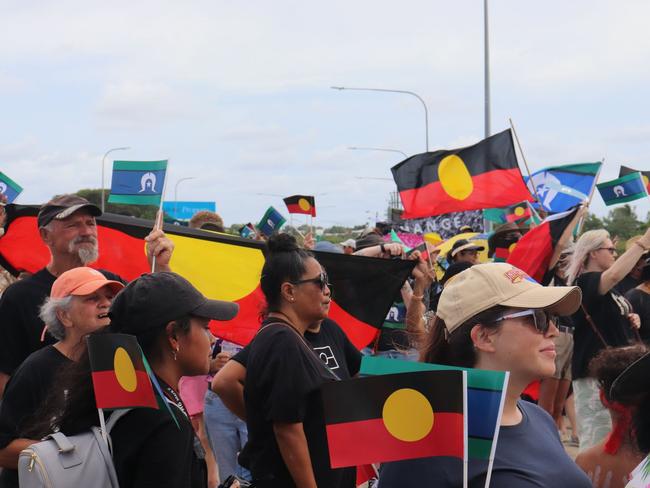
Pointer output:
x,y
645,175
484,175
138,182
624,189
9,187
119,377
301,204
396,416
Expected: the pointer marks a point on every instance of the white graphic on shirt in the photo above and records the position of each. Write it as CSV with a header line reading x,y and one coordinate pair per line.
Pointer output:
x,y
326,355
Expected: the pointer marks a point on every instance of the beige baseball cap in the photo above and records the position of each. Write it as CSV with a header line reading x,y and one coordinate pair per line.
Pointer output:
x,y
484,286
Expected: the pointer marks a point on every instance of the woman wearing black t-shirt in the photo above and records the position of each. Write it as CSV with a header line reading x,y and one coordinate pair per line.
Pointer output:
x,y
610,322
170,319
287,445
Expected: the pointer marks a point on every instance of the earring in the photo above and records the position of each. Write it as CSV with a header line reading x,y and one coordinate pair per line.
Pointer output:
x,y
174,351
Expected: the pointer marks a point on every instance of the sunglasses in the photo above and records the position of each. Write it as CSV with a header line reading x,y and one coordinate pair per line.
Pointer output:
x,y
541,319
321,281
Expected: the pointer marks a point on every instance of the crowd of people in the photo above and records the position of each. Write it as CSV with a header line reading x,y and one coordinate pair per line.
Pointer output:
x,y
253,415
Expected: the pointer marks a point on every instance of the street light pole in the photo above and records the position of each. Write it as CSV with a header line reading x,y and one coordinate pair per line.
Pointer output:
x,y
424,105
103,160
353,148
486,42
176,190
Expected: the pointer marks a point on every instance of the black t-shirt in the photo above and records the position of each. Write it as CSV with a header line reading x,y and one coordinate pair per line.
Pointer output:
x,y
393,334
609,314
20,326
25,392
626,284
149,450
640,301
283,379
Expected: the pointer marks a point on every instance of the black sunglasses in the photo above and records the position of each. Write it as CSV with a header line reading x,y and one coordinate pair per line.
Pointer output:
x,y
321,281
541,319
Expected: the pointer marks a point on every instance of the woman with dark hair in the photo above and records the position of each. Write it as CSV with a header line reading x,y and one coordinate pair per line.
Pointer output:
x,y
170,319
493,316
287,446
610,462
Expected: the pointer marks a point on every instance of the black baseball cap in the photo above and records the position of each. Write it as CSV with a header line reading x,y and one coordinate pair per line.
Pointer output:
x,y
633,380
154,299
63,206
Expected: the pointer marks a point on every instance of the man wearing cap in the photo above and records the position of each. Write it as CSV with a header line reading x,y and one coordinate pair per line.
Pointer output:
x,y
78,305
68,228
349,246
463,251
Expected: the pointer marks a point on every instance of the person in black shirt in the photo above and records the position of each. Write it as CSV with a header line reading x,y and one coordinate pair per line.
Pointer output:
x,y
639,297
287,445
611,322
170,318
68,228
78,304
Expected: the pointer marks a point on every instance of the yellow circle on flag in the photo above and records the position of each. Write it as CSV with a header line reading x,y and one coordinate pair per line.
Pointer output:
x,y
407,415
512,247
645,180
124,370
519,211
455,178
304,204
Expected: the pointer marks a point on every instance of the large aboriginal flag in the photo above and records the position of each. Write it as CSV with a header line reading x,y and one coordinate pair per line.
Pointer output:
x,y
222,267
301,204
484,175
393,417
120,379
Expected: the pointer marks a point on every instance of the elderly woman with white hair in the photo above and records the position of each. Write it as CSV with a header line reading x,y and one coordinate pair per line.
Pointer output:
x,y
605,319
78,305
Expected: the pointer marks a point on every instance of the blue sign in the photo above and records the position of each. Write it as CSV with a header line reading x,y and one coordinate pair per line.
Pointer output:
x,y
186,210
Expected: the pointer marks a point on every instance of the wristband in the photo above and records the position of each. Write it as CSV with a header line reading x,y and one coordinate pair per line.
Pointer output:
x,y
419,297
645,248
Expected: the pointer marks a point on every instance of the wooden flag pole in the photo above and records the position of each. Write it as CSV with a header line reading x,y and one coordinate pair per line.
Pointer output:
x,y
591,195
530,176
158,224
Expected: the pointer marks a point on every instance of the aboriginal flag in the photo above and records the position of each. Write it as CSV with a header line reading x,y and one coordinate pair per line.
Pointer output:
x,y
484,175
301,204
120,379
222,267
393,417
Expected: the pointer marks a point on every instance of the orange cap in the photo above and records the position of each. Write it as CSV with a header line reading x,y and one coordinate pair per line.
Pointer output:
x,y
81,281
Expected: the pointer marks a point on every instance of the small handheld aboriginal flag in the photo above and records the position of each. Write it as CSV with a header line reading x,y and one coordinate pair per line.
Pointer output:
x,y
301,204
119,377
394,417
138,182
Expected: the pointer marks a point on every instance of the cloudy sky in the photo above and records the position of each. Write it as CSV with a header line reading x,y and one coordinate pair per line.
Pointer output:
x,y
237,94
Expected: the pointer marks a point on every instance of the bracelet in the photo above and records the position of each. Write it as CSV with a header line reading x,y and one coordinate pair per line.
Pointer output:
x,y
645,248
418,297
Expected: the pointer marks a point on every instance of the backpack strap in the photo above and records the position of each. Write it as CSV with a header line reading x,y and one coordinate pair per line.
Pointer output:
x,y
115,416
62,442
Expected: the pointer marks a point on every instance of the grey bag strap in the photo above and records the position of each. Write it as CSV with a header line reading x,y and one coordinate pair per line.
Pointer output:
x,y
112,420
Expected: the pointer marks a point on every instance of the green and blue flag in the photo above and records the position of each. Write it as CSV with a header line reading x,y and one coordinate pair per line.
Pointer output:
x,y
271,222
562,187
645,175
624,189
138,182
9,188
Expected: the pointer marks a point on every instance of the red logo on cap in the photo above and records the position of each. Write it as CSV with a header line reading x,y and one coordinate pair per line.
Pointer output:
x,y
515,275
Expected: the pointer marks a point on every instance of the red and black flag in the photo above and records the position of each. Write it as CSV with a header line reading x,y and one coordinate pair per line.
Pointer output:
x,y
644,174
301,204
120,379
396,416
534,250
223,267
520,211
485,175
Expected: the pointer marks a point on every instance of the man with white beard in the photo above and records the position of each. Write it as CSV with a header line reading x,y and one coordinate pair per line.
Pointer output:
x,y
67,227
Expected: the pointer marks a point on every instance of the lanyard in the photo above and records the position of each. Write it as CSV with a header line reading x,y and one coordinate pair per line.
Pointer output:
x,y
172,397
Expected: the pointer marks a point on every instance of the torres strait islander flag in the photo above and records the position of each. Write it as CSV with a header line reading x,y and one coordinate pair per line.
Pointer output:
x,y
484,175
645,175
396,416
301,204
120,379
222,267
